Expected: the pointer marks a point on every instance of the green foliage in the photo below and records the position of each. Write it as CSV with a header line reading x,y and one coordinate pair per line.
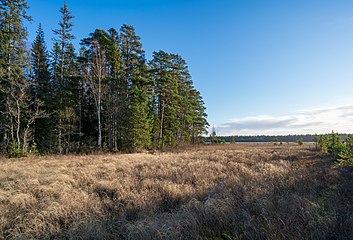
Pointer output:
x,y
14,150
322,143
300,142
140,127
16,106
109,96
213,136
40,88
179,107
346,155
335,145
65,83
340,150
34,151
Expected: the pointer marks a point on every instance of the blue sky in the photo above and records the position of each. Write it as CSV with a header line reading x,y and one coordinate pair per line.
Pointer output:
x,y
263,67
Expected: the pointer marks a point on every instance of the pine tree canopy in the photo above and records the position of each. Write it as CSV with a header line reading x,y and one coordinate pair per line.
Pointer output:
x,y
107,96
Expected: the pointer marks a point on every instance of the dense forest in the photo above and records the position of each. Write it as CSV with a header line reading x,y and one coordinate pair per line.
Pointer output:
x,y
104,96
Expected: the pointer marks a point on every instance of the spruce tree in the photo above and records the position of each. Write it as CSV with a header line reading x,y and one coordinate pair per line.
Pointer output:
x,y
213,136
14,84
232,140
64,57
41,91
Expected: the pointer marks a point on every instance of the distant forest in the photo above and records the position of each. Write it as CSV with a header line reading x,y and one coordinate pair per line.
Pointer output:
x,y
268,138
104,96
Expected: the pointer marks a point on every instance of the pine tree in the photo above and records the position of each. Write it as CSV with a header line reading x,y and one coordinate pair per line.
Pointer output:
x,y
180,107
191,115
136,93
198,117
140,117
167,124
140,122
108,95
114,87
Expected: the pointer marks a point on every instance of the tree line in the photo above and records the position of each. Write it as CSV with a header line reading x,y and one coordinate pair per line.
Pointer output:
x,y
277,138
105,96
265,138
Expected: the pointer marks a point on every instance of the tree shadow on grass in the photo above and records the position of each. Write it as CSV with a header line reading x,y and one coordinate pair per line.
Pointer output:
x,y
314,201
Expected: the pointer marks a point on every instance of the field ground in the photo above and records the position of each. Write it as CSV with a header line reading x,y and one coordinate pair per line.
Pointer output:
x,y
208,192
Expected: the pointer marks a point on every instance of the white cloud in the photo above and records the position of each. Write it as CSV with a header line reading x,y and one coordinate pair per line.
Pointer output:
x,y
339,119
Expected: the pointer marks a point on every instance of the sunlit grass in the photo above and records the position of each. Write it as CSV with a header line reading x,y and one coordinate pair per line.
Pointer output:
x,y
224,192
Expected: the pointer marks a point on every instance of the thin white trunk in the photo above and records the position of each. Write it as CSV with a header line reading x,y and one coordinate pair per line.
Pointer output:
x,y
18,125
161,126
99,115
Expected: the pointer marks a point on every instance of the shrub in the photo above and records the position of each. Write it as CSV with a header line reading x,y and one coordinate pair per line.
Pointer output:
x,y
14,151
340,150
34,150
346,155
335,145
232,140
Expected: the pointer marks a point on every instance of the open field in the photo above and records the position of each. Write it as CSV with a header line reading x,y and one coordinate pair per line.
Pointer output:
x,y
208,192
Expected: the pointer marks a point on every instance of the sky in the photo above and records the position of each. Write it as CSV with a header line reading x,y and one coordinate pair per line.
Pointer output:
x,y
262,67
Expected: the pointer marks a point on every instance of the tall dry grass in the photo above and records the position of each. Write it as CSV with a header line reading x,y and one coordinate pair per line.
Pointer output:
x,y
222,192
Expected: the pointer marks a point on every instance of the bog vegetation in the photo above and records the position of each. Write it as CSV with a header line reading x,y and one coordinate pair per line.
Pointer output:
x,y
210,192
105,96
340,149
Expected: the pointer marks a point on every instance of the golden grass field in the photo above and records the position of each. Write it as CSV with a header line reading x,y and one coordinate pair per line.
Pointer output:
x,y
205,192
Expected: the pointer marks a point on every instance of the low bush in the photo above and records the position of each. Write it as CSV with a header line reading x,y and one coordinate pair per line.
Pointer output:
x,y
341,150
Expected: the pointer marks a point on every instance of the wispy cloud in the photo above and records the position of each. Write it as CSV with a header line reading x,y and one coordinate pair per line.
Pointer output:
x,y
339,119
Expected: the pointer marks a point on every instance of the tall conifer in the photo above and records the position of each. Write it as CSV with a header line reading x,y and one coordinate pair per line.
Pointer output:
x,y
14,83
64,56
41,90
136,96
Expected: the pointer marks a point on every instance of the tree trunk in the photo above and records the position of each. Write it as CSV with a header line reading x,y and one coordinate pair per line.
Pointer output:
x,y
60,136
18,125
161,141
99,115
61,97
110,143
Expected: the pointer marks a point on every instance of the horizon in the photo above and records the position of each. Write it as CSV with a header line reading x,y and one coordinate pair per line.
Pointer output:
x,y
261,67
280,135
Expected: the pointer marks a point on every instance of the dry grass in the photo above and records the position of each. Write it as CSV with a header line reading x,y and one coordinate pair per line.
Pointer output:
x,y
222,192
